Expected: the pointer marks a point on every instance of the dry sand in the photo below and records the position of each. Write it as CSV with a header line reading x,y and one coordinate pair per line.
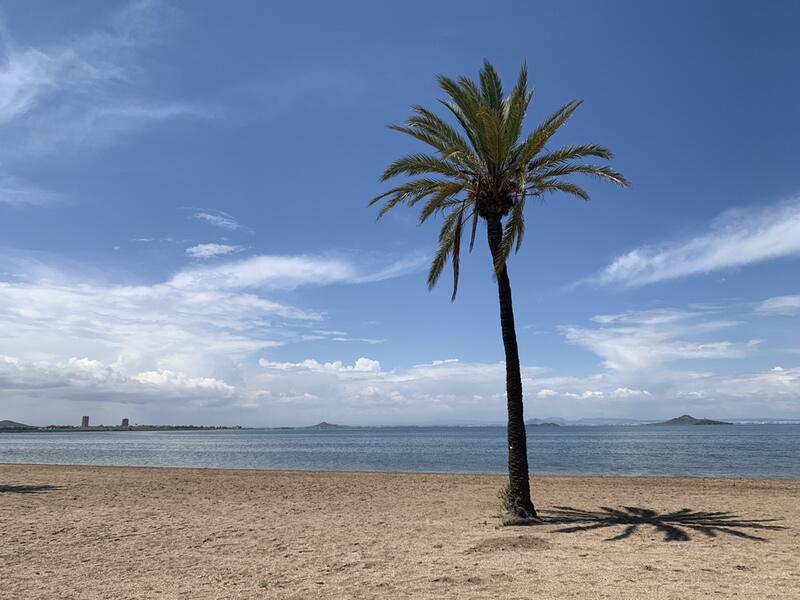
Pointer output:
x,y
133,533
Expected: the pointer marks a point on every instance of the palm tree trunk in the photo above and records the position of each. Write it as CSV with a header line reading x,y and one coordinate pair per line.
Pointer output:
x,y
519,491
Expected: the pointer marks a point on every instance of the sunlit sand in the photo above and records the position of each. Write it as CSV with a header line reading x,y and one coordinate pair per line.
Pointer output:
x,y
133,533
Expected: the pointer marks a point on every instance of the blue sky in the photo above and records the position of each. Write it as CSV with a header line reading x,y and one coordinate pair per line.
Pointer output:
x,y
184,234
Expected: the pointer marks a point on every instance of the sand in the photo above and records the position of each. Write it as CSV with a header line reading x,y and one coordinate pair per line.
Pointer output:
x,y
135,533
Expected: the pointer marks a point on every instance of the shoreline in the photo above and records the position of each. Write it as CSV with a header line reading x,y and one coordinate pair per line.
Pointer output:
x,y
501,474
136,533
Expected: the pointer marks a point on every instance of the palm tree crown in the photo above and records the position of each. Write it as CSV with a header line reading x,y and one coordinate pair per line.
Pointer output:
x,y
485,167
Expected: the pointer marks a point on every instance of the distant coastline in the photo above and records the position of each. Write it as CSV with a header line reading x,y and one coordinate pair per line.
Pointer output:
x,y
551,422
99,428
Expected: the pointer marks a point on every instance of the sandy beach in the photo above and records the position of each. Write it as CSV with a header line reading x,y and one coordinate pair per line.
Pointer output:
x,y
136,533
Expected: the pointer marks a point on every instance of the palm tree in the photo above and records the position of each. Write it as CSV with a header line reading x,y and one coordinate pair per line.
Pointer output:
x,y
482,167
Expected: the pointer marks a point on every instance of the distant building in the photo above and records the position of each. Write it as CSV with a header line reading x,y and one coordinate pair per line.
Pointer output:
x,y
125,422
85,421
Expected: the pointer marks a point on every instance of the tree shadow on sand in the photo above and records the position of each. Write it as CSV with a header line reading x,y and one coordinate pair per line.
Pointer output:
x,y
27,489
676,526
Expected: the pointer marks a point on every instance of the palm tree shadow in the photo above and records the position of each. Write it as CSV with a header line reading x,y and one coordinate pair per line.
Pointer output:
x,y
27,489
676,526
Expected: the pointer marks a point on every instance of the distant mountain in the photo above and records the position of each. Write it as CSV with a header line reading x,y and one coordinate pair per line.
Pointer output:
x,y
325,425
689,420
14,425
556,420
540,423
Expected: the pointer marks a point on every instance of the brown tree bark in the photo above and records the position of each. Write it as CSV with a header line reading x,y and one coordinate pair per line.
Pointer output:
x,y
519,491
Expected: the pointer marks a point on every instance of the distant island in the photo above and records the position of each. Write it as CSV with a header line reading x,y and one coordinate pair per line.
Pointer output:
x,y
541,423
690,420
322,425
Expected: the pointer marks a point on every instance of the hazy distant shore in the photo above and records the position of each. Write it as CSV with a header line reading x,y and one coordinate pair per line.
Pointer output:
x,y
136,533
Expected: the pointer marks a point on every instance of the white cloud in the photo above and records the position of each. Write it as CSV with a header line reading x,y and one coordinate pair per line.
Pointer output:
x,y
179,382
772,392
736,238
217,218
83,378
357,339
16,193
441,391
657,366
67,338
166,348
624,392
82,92
286,272
99,125
154,335
203,251
362,365
339,336
780,305
643,340
620,392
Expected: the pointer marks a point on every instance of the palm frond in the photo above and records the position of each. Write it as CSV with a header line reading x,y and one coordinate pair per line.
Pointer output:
x,y
602,172
567,153
516,106
534,143
443,199
464,104
418,164
562,186
410,192
491,86
474,229
421,135
513,232
434,126
456,252
446,237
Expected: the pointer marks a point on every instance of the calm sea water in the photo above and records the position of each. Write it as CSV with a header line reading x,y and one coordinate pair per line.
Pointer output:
x,y
718,451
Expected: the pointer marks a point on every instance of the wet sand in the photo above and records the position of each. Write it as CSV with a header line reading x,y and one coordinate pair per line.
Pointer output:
x,y
135,533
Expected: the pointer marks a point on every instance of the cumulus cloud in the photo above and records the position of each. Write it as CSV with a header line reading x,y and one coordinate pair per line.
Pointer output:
x,y
203,251
780,305
362,391
623,392
735,239
452,391
170,381
167,346
83,378
660,363
67,337
361,365
620,392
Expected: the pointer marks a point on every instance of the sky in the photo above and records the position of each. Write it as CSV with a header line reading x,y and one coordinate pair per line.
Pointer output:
x,y
184,236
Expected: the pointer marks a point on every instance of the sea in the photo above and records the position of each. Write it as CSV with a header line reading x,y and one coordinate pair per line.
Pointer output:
x,y
759,451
